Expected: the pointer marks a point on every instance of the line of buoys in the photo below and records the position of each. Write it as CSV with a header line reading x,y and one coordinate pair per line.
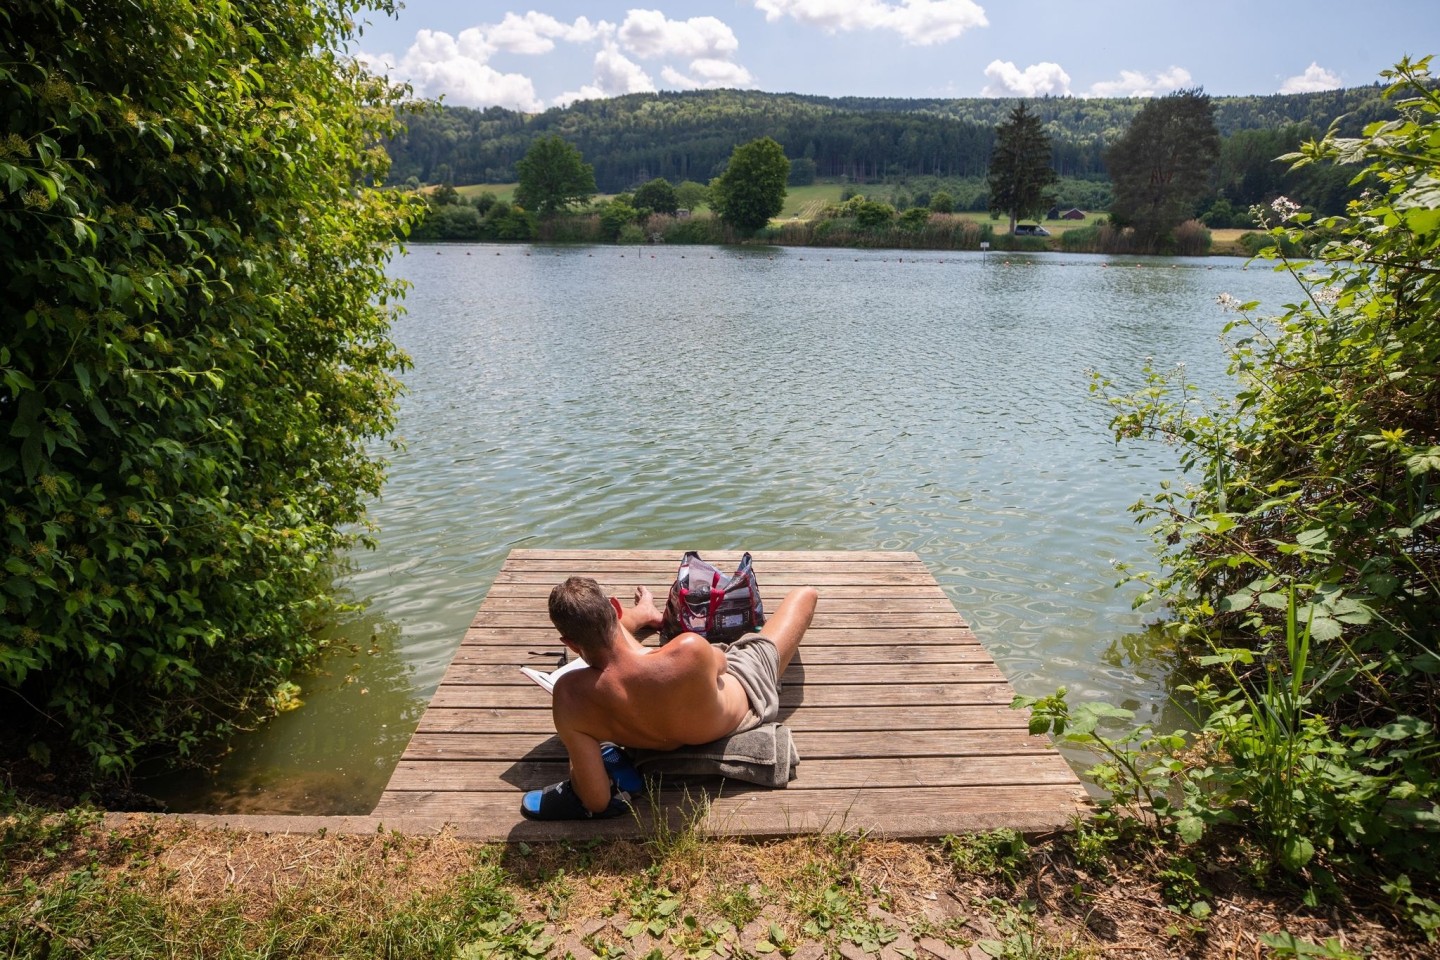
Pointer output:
x,y
901,260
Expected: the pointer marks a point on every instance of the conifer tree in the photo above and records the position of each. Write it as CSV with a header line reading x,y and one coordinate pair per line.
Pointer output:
x,y
1020,172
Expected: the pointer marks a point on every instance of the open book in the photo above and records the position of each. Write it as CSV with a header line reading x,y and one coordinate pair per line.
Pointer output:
x,y
547,680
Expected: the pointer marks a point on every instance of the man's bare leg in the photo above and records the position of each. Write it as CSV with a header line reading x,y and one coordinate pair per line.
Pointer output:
x,y
643,614
788,623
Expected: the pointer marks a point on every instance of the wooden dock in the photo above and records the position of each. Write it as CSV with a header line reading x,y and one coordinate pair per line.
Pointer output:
x,y
901,719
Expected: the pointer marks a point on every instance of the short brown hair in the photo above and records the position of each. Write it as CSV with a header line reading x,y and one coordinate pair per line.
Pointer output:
x,y
582,613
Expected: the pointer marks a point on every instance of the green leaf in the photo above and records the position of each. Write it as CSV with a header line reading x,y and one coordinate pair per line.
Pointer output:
x,y
1237,601
1295,852
1402,728
1423,220
1275,601
1190,829
1325,628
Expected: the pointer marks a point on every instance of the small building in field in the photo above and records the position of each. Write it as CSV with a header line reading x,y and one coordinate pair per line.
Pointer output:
x,y
1074,213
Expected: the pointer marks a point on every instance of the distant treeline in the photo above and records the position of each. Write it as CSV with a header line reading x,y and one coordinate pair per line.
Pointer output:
x,y
689,135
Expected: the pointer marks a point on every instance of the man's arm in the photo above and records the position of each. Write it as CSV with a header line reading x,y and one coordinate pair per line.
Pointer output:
x,y
587,769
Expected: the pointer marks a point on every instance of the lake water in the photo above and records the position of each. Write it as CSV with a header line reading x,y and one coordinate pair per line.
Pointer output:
x,y
753,398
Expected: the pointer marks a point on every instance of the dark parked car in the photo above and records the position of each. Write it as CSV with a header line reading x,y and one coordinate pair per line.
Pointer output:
x,y
1030,230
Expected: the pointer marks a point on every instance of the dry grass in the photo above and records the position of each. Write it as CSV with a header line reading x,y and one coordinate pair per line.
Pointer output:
x,y
220,893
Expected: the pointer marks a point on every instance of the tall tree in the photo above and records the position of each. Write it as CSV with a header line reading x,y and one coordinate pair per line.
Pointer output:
x,y
553,177
1163,164
752,188
196,357
1020,172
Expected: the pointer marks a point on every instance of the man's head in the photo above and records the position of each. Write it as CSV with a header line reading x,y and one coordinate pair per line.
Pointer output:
x,y
584,615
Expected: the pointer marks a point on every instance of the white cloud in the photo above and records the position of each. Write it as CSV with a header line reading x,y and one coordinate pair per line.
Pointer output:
x,y
1036,80
1314,79
920,22
615,75
1133,83
648,34
587,92
458,68
708,74
535,33
439,65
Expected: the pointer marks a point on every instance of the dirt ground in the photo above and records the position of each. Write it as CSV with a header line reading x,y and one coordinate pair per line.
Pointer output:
x,y
686,896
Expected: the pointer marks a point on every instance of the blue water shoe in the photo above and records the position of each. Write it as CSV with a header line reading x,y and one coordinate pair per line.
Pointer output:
x,y
624,778
559,801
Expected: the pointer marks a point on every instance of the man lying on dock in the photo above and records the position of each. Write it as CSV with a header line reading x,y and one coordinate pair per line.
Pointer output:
x,y
685,693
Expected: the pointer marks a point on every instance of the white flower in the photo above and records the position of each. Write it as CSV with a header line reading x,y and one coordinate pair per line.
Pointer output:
x,y
1228,303
1285,207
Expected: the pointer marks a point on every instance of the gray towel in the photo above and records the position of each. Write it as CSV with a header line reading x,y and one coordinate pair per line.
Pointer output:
x,y
765,755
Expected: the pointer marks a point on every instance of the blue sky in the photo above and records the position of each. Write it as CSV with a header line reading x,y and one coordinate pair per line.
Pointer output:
x,y
542,54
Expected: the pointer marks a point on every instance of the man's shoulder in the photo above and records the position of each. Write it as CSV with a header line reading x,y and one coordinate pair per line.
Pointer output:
x,y
687,644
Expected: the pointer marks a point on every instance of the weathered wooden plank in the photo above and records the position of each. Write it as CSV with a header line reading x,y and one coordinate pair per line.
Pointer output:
x,y
898,696
824,619
535,718
545,656
811,744
818,578
829,604
731,810
799,672
816,774
537,637
660,586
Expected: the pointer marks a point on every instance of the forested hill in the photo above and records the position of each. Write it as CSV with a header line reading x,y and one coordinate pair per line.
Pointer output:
x,y
689,135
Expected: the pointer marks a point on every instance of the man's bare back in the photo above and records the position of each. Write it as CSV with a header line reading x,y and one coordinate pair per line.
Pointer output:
x,y
654,698
658,698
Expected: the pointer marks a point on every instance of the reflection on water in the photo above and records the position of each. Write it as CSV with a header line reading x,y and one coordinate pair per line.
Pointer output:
x,y
760,398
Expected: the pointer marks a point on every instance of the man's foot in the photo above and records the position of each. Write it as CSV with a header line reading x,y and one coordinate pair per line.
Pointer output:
x,y
649,614
559,801
625,780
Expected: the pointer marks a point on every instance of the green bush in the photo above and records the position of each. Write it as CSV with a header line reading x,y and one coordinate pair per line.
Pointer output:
x,y
1006,241
615,216
572,228
195,356
915,218
632,234
1098,238
509,221
457,222
870,214
1254,243
693,230
1302,565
